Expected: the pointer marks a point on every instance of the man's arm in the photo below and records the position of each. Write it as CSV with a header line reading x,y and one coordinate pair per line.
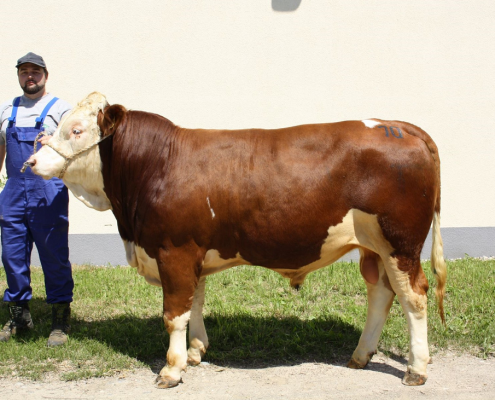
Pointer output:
x,y
2,155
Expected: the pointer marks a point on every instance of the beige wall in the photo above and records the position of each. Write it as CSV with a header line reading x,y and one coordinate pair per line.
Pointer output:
x,y
236,64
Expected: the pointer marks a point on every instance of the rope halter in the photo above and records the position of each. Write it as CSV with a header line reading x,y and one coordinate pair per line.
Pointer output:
x,y
67,158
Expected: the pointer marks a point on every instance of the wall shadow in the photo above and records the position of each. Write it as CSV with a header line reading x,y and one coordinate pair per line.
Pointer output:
x,y
285,5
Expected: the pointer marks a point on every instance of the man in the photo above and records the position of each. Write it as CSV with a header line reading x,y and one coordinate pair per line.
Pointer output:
x,y
33,210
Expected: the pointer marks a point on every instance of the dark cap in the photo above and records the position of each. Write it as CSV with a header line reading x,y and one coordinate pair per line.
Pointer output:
x,y
31,58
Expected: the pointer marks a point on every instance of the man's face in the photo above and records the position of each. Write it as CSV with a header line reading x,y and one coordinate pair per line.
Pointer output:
x,y
31,78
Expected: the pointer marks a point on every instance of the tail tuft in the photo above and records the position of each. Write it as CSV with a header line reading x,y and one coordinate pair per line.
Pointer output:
x,y
438,265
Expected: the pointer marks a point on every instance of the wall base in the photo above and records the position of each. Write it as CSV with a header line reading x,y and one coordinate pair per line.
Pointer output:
x,y
109,249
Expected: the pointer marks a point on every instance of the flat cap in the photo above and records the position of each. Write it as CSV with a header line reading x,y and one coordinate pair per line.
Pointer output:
x,y
31,58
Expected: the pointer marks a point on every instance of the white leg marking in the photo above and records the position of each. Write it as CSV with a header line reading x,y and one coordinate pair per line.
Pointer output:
x,y
414,307
198,339
419,355
177,353
380,300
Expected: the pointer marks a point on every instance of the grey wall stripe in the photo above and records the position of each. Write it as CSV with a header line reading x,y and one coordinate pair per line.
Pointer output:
x,y
109,250
457,242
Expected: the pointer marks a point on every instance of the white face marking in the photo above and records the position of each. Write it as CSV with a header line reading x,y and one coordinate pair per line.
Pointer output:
x,y
48,162
370,123
83,176
211,209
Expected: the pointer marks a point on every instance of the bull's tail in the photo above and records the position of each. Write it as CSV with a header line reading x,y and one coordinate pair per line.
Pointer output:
x,y
438,265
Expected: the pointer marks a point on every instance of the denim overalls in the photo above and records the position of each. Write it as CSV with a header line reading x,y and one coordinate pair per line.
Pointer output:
x,y
33,210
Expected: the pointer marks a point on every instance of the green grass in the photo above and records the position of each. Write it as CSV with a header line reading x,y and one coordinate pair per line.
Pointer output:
x,y
252,315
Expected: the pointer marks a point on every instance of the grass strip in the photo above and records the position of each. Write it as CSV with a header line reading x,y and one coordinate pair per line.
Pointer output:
x,y
252,316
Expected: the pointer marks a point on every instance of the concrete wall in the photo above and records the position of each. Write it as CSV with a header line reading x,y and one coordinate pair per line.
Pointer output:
x,y
239,64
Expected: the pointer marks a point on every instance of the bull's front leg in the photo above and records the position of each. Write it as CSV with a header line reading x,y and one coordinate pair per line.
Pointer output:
x,y
198,339
170,375
179,268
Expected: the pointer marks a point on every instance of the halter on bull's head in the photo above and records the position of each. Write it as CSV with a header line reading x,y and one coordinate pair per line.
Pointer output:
x,y
73,153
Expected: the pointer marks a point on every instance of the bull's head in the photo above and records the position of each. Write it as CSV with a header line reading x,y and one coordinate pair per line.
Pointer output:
x,y
73,153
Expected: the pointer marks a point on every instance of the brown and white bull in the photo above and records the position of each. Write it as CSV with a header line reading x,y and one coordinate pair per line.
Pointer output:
x,y
193,202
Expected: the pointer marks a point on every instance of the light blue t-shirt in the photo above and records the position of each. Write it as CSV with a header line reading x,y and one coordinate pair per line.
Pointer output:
x,y
29,110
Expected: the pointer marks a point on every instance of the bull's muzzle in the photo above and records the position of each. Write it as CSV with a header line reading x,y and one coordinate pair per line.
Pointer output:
x,y
28,163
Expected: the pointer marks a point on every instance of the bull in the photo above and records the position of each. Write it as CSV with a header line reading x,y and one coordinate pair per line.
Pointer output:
x,y
193,202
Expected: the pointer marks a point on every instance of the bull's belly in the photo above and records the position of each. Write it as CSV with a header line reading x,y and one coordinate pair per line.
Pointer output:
x,y
340,240
214,263
357,229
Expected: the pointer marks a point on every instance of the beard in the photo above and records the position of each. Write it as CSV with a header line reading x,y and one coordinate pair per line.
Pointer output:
x,y
32,89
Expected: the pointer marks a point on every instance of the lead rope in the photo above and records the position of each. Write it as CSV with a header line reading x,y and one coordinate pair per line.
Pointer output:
x,y
42,133
67,158
26,164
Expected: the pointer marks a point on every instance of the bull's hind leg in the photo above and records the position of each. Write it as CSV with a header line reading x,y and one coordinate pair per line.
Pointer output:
x,y
179,269
198,339
380,298
410,284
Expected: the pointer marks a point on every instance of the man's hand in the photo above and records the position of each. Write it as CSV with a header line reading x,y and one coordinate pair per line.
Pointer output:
x,y
44,139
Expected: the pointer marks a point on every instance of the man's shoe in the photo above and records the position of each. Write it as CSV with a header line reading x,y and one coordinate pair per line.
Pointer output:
x,y
20,319
6,332
60,324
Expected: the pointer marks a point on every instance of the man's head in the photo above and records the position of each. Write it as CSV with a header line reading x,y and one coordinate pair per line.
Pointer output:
x,y
32,75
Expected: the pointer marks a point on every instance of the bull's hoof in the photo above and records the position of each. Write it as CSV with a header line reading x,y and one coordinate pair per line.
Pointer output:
x,y
192,361
194,357
412,379
164,383
353,364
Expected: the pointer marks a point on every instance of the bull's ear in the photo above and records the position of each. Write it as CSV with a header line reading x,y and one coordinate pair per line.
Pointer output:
x,y
110,118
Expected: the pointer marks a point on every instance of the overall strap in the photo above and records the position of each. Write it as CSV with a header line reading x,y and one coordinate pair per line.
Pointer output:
x,y
14,112
41,118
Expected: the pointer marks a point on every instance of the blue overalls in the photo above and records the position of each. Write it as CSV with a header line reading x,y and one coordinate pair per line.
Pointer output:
x,y
33,210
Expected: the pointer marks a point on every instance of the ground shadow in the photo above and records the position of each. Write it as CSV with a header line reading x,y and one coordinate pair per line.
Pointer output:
x,y
235,341
387,369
